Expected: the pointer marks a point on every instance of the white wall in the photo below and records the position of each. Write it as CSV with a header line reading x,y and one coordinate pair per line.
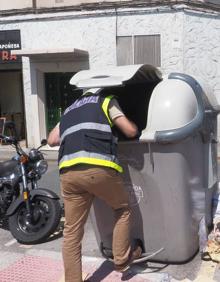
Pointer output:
x,y
201,49
97,35
189,42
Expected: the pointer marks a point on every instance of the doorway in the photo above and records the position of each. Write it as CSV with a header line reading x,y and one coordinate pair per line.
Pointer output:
x,y
11,100
59,95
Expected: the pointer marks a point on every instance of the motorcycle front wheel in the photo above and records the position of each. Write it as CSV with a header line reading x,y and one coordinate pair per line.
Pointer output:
x,y
46,214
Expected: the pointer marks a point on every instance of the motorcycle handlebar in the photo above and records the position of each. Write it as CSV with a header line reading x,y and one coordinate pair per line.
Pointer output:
x,y
13,141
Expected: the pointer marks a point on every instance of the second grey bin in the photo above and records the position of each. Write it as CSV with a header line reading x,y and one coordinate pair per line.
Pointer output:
x,y
170,173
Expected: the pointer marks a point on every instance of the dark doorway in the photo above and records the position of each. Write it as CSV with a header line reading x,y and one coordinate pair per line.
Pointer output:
x,y
11,100
59,95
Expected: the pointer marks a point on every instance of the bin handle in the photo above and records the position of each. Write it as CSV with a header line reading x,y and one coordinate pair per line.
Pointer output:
x,y
175,135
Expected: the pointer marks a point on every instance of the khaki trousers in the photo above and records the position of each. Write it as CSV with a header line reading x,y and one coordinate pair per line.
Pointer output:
x,y
79,186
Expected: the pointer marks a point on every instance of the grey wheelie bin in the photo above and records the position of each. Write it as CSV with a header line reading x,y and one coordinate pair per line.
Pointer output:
x,y
170,171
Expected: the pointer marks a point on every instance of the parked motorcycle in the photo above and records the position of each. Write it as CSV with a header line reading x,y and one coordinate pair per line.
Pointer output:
x,y
33,213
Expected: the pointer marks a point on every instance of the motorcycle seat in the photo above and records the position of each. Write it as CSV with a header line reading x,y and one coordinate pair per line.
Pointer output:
x,y
7,167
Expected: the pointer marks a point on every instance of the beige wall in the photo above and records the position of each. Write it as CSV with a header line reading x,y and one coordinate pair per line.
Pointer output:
x,y
15,4
60,3
21,4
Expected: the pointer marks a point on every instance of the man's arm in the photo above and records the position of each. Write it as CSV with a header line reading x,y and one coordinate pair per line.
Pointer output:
x,y
54,137
127,127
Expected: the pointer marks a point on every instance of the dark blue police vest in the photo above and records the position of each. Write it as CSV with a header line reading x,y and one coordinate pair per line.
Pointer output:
x,y
86,134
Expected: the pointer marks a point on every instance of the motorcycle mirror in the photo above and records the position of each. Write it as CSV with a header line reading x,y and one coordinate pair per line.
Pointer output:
x,y
44,142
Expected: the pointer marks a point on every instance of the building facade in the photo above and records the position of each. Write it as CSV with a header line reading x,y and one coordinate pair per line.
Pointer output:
x,y
43,43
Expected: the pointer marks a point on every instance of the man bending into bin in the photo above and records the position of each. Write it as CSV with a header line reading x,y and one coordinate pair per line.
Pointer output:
x,y
89,167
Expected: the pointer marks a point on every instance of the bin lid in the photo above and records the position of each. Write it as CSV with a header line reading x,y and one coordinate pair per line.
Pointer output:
x,y
177,104
177,109
115,76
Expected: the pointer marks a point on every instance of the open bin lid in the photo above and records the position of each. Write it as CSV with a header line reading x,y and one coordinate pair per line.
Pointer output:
x,y
115,76
177,104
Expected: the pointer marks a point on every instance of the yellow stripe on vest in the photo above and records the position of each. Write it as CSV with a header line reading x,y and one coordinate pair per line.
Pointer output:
x,y
91,161
105,108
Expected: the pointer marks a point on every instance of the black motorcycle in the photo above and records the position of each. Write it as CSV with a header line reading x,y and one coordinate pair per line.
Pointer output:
x,y
33,213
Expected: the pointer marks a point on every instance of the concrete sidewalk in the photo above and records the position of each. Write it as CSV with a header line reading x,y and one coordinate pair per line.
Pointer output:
x,y
47,266
36,265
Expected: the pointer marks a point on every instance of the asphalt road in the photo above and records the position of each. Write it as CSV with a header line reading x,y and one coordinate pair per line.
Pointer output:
x,y
50,180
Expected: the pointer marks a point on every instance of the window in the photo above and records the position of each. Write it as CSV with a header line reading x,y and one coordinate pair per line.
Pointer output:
x,y
139,49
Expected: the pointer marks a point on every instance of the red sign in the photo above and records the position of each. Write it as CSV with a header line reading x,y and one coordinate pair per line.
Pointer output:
x,y
6,56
